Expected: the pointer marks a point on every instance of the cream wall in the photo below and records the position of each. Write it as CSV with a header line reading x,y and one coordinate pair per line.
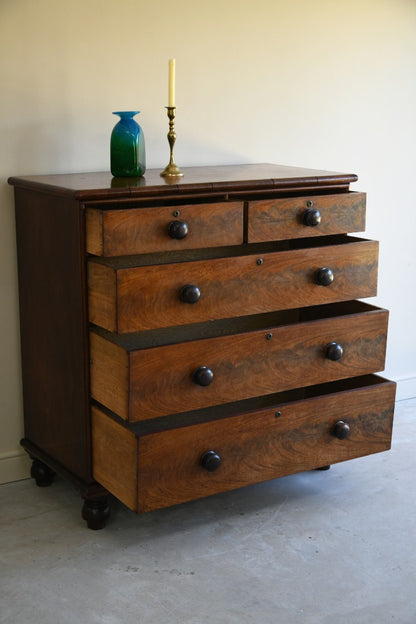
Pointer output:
x,y
318,83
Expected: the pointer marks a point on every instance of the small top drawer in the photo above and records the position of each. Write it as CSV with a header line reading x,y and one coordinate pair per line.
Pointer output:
x,y
121,232
298,217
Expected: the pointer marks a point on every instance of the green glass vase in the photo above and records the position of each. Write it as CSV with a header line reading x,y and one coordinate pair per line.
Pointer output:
x,y
127,149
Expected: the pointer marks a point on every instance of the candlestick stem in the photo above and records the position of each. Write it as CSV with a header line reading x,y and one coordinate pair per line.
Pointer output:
x,y
171,169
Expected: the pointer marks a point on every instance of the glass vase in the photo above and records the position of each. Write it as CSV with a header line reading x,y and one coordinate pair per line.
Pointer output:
x,y
127,149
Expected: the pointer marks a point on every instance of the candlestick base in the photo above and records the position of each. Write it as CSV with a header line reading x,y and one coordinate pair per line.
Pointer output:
x,y
171,170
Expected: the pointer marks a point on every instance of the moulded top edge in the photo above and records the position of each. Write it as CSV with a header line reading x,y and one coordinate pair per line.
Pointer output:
x,y
227,178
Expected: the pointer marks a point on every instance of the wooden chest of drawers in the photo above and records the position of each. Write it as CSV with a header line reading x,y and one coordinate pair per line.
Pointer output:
x,y
184,339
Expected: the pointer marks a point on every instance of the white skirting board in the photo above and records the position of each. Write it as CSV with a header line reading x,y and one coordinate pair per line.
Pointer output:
x,y
406,388
14,465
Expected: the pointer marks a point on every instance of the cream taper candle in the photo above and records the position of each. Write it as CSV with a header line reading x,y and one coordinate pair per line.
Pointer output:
x,y
171,98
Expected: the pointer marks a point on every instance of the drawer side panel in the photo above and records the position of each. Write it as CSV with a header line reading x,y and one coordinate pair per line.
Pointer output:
x,y
114,455
109,375
102,296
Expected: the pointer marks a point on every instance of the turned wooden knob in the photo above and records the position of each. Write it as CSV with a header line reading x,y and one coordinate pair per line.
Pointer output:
x,y
203,376
210,460
178,229
190,293
341,430
334,351
324,276
311,217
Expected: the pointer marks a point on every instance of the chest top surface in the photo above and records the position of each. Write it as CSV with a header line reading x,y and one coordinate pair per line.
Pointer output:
x,y
227,178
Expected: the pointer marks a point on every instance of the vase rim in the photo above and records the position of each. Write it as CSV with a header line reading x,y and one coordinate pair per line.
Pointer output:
x,y
126,113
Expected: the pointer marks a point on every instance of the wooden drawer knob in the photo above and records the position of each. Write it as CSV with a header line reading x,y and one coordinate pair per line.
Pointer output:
x,y
324,276
210,460
334,351
203,376
178,229
190,293
341,430
312,217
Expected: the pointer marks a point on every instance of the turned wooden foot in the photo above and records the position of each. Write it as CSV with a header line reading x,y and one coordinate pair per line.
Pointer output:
x,y
42,474
324,467
96,512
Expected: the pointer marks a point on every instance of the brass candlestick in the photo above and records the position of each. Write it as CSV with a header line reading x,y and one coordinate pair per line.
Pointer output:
x,y
171,169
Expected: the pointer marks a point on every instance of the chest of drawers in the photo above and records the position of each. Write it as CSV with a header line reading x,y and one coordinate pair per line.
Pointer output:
x,y
184,339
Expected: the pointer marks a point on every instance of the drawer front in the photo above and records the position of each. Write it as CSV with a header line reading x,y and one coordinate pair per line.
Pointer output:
x,y
151,382
149,297
298,217
149,230
165,468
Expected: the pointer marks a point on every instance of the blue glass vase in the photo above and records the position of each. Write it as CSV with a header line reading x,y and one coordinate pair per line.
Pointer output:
x,y
128,156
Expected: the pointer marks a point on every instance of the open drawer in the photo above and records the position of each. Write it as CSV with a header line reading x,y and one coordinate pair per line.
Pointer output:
x,y
304,216
146,292
293,432
152,374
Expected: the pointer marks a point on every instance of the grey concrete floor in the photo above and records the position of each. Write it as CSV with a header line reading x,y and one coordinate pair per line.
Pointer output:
x,y
335,547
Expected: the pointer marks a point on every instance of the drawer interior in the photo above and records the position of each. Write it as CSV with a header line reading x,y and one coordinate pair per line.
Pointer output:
x,y
229,327
189,255
270,401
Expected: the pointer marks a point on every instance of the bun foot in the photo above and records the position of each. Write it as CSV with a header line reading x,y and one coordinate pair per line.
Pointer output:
x,y
96,511
324,467
42,474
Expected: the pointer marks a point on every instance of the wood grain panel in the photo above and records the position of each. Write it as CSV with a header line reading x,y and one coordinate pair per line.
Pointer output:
x,y
109,366
244,365
102,296
53,324
279,219
258,446
114,455
145,230
148,297
94,231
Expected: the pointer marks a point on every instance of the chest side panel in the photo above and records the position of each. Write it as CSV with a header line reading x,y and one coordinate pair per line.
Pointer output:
x,y
53,328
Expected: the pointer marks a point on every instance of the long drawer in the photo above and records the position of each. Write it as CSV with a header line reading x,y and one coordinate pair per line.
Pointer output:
x,y
121,232
297,217
159,469
145,377
125,298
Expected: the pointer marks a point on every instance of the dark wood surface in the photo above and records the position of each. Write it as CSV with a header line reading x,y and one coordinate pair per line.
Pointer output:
x,y
228,178
53,325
